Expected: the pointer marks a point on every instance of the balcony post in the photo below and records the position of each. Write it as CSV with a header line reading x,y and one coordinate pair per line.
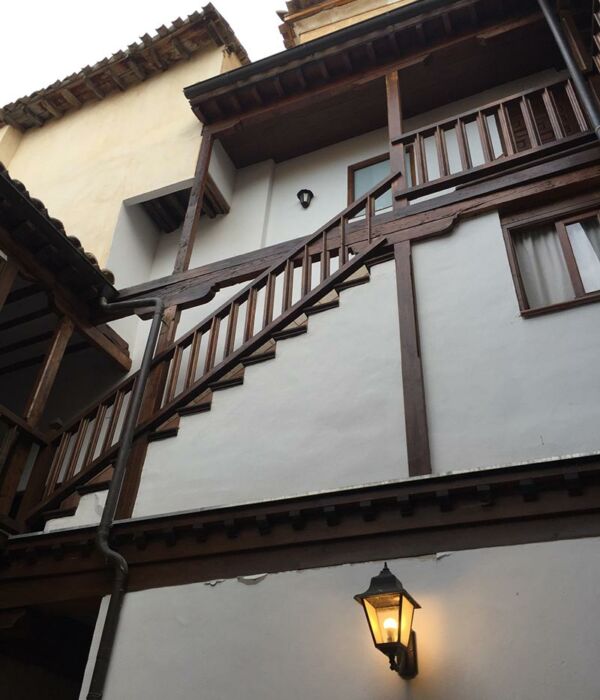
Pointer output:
x,y
394,118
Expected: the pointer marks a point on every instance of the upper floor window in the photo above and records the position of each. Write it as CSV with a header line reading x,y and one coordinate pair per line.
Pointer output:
x,y
363,176
556,263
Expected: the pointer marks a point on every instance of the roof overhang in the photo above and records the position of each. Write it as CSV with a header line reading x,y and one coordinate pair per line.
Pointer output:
x,y
152,55
333,87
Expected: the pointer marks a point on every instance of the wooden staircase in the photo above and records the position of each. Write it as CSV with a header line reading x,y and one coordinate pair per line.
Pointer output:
x,y
213,355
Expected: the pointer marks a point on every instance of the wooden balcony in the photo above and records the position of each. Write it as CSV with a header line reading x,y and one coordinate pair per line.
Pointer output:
x,y
491,138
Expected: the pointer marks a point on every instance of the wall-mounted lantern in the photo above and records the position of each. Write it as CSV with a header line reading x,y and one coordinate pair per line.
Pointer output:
x,y
305,197
389,610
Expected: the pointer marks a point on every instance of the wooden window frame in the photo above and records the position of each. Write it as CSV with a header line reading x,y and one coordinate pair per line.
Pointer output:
x,y
560,216
359,166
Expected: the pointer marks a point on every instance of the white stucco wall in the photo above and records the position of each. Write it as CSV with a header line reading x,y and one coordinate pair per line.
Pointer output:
x,y
500,389
510,622
330,402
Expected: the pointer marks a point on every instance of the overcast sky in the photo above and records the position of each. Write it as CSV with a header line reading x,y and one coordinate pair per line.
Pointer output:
x,y
46,40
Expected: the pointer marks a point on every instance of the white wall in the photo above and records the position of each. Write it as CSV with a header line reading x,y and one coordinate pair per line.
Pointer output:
x,y
330,404
509,622
500,388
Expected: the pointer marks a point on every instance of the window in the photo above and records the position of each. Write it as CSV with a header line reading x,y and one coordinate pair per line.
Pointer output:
x,y
363,176
556,263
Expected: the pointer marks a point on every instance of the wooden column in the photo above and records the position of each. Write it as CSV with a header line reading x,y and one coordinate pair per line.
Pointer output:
x,y
415,415
8,274
192,215
34,408
394,113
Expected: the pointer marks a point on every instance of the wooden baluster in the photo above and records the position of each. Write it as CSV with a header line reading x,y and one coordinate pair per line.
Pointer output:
x,y
506,134
369,214
74,458
324,258
250,314
463,147
174,376
343,250
575,106
269,299
420,162
529,123
484,137
213,339
442,152
192,367
57,463
114,419
231,329
306,271
91,448
553,115
288,285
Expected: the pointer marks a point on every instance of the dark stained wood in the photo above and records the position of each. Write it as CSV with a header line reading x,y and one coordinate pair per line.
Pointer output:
x,y
415,412
192,216
396,150
36,403
411,518
8,274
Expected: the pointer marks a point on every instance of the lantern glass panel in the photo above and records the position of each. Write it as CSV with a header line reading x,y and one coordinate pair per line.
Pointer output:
x,y
383,613
406,622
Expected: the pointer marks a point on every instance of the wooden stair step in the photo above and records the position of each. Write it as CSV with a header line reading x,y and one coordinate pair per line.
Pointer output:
x,y
263,353
234,377
168,429
360,276
296,327
329,301
200,404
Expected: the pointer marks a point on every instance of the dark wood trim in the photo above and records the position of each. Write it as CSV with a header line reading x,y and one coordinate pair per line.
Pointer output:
x,y
395,121
36,403
556,499
8,274
194,209
415,412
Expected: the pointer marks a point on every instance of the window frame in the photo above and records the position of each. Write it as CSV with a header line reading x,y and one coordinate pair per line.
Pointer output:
x,y
359,166
560,216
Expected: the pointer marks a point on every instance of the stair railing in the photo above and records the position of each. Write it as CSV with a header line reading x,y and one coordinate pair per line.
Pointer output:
x,y
87,447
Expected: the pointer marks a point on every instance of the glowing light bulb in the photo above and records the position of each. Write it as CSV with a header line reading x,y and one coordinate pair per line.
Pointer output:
x,y
391,627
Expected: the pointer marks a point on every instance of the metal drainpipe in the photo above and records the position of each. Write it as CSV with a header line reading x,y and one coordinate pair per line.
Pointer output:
x,y
581,86
116,560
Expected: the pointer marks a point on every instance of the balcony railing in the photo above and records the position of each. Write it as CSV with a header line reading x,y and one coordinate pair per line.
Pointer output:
x,y
20,449
523,123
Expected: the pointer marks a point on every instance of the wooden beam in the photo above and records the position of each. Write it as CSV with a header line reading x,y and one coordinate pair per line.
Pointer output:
x,y
36,403
394,114
8,274
415,414
192,216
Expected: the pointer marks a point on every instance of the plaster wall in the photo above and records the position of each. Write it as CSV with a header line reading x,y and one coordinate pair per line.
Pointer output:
x,y
9,142
342,15
508,622
500,388
331,404
84,165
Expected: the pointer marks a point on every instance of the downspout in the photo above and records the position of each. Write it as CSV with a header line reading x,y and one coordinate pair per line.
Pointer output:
x,y
113,558
583,92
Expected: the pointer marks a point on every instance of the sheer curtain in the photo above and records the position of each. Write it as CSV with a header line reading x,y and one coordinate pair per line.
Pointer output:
x,y
584,236
542,266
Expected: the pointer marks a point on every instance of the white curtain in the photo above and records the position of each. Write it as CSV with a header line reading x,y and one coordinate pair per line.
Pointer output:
x,y
542,266
585,241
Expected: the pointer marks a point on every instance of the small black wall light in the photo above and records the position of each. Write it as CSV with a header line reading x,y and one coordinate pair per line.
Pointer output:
x,y
389,610
305,197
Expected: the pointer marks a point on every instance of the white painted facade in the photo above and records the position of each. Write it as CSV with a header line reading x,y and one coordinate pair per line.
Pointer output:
x,y
506,622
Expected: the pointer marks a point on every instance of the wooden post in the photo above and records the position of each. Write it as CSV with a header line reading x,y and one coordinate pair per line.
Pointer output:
x,y
34,408
8,274
394,113
194,208
415,415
